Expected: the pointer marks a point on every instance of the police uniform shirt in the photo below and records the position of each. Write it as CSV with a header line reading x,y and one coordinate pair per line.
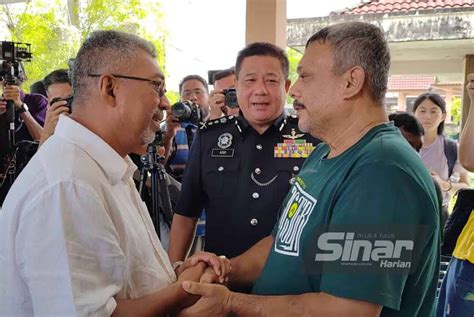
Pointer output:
x,y
240,178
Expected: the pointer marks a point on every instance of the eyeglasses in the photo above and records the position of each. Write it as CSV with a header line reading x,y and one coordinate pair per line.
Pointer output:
x,y
157,85
188,93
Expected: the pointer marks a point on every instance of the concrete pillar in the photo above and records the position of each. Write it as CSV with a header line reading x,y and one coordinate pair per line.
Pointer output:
x,y
468,68
401,106
266,22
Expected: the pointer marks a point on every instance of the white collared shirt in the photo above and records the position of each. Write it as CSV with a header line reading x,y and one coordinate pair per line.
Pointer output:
x,y
74,232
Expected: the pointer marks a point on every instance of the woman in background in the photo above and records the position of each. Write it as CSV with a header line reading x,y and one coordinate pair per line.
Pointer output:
x,y
439,153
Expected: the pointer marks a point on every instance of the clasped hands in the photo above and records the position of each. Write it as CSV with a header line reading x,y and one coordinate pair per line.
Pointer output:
x,y
199,277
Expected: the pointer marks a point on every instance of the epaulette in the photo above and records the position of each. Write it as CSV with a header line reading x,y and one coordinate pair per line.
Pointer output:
x,y
217,122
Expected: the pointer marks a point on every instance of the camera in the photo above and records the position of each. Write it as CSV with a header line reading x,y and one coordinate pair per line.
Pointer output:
x,y
186,111
230,99
12,51
158,141
11,55
67,99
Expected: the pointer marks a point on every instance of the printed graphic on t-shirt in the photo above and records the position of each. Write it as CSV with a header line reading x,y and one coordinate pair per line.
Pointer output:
x,y
293,220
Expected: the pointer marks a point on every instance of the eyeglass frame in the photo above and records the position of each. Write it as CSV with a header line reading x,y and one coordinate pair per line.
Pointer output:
x,y
159,84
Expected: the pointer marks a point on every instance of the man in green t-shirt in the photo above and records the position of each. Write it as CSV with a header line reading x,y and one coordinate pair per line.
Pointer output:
x,y
358,233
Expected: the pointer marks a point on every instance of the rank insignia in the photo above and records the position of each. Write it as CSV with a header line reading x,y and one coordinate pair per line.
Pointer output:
x,y
293,135
293,149
224,140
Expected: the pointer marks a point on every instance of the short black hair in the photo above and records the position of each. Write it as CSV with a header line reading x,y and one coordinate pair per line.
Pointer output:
x,y
38,88
437,100
193,77
223,74
358,44
407,121
58,76
263,49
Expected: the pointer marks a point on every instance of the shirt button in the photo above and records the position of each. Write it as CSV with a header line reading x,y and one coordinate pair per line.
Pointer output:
x,y
254,221
258,171
259,147
220,168
255,195
296,168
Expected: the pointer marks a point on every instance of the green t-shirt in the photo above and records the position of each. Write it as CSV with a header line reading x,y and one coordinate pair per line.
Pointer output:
x,y
378,185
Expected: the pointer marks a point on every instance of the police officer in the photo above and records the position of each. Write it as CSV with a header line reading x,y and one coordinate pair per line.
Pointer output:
x,y
240,168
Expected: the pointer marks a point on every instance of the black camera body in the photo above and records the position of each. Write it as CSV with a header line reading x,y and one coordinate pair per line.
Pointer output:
x,y
67,99
14,51
186,111
158,141
11,56
230,99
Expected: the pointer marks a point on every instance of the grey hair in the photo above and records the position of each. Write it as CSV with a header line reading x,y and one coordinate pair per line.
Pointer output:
x,y
105,52
359,44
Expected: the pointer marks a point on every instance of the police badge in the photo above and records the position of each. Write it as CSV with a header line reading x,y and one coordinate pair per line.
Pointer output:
x,y
224,140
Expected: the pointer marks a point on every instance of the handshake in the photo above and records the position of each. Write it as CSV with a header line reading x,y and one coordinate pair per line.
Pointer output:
x,y
198,291
204,268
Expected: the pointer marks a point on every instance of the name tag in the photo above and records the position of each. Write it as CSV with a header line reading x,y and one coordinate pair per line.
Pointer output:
x,y
222,153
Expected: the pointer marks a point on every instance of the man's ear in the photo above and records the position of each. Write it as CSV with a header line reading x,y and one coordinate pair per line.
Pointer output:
x,y
107,85
354,80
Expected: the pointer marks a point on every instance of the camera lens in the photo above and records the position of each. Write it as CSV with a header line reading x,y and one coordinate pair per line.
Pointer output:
x,y
230,99
181,111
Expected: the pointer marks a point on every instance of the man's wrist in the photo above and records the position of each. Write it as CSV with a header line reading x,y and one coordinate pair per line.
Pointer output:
x,y
176,265
22,108
231,305
450,185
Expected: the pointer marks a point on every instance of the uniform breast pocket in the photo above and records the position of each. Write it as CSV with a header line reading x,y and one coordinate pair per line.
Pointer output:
x,y
220,178
289,167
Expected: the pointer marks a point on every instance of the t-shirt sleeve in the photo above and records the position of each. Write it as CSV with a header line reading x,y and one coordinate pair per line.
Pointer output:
x,y
191,200
379,196
37,105
68,253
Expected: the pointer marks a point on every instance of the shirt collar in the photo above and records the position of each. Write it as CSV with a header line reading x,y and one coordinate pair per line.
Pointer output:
x,y
243,124
114,166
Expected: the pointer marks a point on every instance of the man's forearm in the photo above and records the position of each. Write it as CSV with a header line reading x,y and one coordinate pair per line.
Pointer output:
x,y
156,304
310,305
34,128
466,145
247,267
170,300
181,237
168,144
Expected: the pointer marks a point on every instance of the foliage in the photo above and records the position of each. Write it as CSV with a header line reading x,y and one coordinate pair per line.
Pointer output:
x,y
43,28
56,28
173,96
456,109
294,57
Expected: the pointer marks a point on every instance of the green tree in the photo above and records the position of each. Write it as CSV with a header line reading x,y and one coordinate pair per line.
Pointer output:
x,y
456,110
45,28
294,57
56,28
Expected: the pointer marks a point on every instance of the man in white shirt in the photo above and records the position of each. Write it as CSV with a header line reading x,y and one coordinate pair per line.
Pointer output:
x,y
75,237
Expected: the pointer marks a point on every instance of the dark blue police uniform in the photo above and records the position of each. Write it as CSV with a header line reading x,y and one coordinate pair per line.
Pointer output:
x,y
240,178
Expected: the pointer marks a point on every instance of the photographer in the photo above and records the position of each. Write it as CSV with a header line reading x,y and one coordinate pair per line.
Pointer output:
x,y
179,135
30,109
223,99
58,88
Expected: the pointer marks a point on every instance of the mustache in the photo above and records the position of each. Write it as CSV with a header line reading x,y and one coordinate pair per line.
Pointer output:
x,y
296,103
